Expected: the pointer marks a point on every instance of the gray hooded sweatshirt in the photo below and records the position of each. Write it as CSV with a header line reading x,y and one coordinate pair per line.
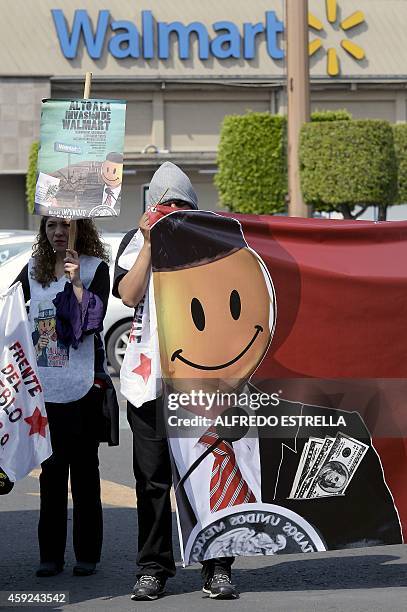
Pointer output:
x,y
169,176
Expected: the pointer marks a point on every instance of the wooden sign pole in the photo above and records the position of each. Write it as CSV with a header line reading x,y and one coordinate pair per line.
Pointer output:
x,y
72,226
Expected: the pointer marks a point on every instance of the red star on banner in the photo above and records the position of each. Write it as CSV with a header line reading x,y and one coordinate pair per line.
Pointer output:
x,y
37,423
144,369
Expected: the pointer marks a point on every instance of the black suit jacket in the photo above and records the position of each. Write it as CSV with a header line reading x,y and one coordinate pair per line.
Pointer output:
x,y
364,516
93,196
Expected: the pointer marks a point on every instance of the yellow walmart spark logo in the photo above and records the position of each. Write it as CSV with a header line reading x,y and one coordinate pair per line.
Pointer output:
x,y
333,65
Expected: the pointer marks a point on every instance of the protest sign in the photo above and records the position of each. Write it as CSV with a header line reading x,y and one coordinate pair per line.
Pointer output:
x,y
80,162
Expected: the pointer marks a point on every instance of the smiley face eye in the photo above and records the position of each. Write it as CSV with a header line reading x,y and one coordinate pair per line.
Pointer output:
x,y
198,314
235,304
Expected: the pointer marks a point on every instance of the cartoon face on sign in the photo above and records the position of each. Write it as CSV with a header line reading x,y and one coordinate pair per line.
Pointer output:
x,y
112,170
215,301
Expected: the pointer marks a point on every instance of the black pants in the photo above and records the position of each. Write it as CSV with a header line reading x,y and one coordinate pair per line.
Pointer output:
x,y
152,471
75,451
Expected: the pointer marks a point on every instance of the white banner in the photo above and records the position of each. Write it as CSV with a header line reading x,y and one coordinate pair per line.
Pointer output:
x,y
24,432
140,375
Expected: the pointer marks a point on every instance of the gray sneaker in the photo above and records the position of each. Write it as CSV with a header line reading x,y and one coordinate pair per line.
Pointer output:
x,y
147,588
220,586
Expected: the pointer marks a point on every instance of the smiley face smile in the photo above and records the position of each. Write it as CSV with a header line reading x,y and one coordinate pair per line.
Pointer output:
x,y
177,355
110,179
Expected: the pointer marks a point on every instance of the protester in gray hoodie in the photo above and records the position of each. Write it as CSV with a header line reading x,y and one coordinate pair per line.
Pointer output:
x,y
142,388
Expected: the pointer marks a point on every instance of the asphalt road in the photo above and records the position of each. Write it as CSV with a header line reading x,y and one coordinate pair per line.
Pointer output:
x,y
358,580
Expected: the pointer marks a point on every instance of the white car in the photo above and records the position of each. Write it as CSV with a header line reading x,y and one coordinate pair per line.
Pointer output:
x,y
15,251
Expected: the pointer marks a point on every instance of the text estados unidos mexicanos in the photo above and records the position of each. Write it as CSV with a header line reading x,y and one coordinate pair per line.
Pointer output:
x,y
208,401
258,420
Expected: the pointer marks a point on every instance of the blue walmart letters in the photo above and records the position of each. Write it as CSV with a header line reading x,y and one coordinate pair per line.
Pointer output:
x,y
122,39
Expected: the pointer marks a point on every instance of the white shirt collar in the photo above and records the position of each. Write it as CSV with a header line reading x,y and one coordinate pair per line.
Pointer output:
x,y
195,433
115,191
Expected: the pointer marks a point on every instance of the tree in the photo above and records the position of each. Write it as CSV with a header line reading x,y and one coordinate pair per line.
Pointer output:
x,y
344,164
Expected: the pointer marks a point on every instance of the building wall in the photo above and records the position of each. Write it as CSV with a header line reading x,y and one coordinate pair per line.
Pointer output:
x,y
188,118
20,109
365,103
180,118
381,35
193,122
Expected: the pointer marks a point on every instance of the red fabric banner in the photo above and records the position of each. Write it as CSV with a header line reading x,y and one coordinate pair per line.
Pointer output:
x,y
342,306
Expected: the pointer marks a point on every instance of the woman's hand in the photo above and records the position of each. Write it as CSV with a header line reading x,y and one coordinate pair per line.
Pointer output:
x,y
144,226
72,266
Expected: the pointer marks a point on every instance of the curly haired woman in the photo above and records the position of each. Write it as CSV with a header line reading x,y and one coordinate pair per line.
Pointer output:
x,y
66,319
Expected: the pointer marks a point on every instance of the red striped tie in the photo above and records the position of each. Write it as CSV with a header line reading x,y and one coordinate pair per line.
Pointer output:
x,y
109,197
228,487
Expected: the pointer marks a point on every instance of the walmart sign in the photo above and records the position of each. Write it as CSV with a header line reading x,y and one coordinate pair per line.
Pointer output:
x,y
152,41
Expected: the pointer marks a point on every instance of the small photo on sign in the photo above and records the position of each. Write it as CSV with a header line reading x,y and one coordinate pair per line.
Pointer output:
x,y
46,189
80,161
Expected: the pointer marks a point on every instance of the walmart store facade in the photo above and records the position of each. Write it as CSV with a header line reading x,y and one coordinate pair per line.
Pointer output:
x,y
182,66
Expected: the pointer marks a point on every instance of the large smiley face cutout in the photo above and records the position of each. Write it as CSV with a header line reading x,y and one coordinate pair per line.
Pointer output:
x,y
215,321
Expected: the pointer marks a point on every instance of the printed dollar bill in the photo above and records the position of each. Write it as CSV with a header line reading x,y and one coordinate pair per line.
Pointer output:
x,y
315,447
338,468
300,468
305,485
308,457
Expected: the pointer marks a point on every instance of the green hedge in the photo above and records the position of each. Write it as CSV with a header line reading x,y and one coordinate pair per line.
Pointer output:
x,y
348,163
252,162
332,115
31,178
400,145
252,165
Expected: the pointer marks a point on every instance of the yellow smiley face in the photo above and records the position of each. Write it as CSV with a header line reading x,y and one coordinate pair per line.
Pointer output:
x,y
215,321
46,326
112,173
